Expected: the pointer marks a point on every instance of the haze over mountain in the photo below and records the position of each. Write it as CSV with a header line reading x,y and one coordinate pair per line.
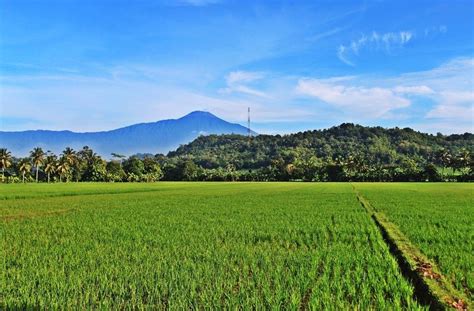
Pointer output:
x,y
155,137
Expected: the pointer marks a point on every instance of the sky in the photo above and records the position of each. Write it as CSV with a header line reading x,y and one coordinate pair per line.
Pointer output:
x,y
95,65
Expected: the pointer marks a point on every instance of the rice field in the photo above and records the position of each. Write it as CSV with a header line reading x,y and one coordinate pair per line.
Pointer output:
x,y
438,219
219,245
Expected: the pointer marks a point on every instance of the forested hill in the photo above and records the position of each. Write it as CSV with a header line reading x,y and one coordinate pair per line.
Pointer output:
x,y
343,153
374,146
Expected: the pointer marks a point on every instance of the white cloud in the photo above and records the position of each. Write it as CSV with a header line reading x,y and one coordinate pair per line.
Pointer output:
x,y
444,93
341,54
365,102
458,112
453,91
88,104
435,30
376,41
243,76
454,105
415,90
325,34
440,99
237,83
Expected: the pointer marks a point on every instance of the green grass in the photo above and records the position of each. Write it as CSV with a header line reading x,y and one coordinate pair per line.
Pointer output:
x,y
436,218
200,245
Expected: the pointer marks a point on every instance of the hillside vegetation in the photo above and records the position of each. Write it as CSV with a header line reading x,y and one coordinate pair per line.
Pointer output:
x,y
344,153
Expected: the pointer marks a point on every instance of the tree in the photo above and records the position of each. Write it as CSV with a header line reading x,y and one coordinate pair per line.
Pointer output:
x,y
95,169
63,167
152,169
91,165
71,157
444,157
25,167
462,160
37,156
5,160
50,165
430,173
190,170
135,166
115,171
335,170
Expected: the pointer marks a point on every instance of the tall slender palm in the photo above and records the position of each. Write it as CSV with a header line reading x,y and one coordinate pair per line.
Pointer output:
x,y
445,158
5,160
63,167
37,156
25,167
50,165
71,157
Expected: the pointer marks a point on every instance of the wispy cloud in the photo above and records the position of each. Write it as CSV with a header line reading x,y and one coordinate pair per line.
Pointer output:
x,y
341,54
378,41
243,76
443,96
454,105
325,34
413,90
435,30
439,99
372,102
237,83
452,85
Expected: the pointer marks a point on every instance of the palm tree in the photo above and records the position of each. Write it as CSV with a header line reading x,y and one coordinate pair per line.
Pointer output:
x,y
71,157
37,155
5,160
50,165
63,167
25,167
445,158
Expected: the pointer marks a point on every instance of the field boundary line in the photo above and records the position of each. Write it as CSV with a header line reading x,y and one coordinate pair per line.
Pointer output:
x,y
431,287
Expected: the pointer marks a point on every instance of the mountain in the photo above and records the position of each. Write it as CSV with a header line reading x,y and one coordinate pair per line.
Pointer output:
x,y
155,137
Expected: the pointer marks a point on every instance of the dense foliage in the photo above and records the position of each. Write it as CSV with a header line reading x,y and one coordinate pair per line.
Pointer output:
x,y
345,153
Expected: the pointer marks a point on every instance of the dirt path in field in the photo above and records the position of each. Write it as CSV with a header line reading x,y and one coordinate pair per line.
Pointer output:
x,y
431,288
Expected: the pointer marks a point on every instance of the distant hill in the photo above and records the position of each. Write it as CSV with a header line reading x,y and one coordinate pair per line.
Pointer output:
x,y
371,145
155,137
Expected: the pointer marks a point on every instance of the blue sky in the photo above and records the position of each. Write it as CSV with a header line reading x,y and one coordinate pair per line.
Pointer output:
x,y
97,65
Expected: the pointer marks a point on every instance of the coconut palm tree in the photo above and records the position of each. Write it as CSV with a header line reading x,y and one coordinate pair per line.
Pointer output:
x,y
37,156
445,158
50,165
5,160
63,167
25,167
71,157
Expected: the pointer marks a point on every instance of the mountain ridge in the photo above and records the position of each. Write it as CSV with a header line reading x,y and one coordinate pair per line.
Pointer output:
x,y
149,137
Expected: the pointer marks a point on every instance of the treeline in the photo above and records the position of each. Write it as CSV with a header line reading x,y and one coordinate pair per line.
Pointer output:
x,y
344,153
82,165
